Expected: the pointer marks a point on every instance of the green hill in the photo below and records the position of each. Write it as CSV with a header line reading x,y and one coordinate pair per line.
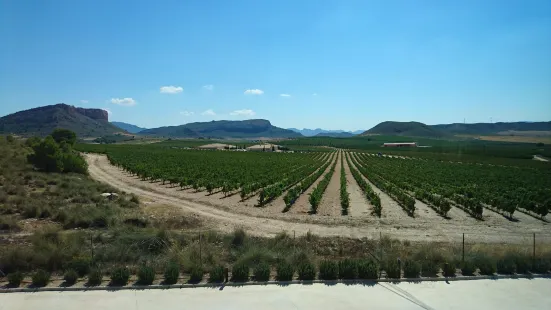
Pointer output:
x,y
410,129
492,128
128,127
42,121
254,128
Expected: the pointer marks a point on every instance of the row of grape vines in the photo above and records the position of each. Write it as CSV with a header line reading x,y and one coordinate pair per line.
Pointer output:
x,y
471,187
345,198
373,198
317,193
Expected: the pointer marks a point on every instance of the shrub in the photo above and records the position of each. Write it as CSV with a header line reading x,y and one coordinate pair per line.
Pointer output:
x,y
217,274
412,269
284,271
70,277
15,278
541,265
523,263
238,237
41,278
486,265
368,269
306,271
61,135
120,276
262,272
393,270
468,268
95,276
429,268
506,265
348,269
240,272
448,269
81,265
329,270
146,275
196,273
172,272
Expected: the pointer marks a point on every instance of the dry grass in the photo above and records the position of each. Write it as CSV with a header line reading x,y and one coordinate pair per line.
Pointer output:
x,y
509,138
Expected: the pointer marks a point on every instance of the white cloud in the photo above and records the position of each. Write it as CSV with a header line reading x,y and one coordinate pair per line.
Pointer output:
x,y
209,112
83,101
187,113
314,94
254,92
284,95
127,102
171,89
208,87
246,112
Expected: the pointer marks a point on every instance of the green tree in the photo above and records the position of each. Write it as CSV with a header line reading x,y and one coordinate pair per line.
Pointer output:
x,y
46,156
64,135
32,141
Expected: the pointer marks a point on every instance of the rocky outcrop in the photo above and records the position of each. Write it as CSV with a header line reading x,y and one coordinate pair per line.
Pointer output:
x,y
97,114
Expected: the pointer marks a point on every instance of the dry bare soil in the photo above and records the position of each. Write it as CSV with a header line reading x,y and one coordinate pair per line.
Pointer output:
x,y
227,213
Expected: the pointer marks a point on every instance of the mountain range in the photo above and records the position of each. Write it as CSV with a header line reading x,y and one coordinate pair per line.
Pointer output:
x,y
316,132
128,127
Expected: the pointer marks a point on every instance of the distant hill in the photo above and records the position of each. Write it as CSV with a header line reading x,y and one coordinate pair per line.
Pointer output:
x,y
492,128
42,121
254,128
411,129
128,127
335,134
314,132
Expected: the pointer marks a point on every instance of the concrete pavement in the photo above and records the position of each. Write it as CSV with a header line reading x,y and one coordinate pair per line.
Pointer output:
x,y
478,294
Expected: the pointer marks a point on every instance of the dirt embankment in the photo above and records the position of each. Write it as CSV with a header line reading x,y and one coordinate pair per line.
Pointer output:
x,y
215,212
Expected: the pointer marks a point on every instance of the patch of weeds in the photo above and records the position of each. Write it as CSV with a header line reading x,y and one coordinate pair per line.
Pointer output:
x,y
172,273
468,268
95,277
541,266
196,273
70,277
329,270
412,269
392,269
216,274
261,272
15,279
146,275
348,269
486,265
240,272
120,276
506,265
368,270
285,271
238,237
429,268
306,271
41,278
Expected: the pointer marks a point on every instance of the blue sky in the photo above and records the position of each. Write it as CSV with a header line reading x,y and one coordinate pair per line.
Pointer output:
x,y
343,64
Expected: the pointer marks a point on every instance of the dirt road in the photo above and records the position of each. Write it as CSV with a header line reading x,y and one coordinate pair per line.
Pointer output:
x,y
255,221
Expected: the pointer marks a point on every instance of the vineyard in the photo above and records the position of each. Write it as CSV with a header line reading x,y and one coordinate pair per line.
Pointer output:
x,y
288,185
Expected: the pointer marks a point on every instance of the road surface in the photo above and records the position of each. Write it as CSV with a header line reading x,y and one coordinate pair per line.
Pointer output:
x,y
477,294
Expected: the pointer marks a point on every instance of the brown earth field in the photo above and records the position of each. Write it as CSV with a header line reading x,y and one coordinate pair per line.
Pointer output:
x,y
227,213
511,138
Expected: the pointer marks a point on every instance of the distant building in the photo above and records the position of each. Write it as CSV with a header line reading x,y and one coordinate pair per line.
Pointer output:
x,y
217,146
263,148
400,144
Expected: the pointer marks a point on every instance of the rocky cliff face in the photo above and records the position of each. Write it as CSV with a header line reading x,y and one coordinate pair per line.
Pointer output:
x,y
97,114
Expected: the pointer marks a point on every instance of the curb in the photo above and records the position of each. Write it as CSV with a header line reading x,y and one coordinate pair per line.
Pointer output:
x,y
281,283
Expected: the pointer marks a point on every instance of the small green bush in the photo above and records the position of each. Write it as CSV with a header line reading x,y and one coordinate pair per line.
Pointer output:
x,y
217,274
368,269
284,271
70,277
41,278
146,275
306,271
120,276
523,263
81,265
486,265
348,269
238,237
448,269
429,268
15,278
541,265
196,273
506,265
468,268
262,272
412,269
240,272
393,269
172,273
95,277
329,270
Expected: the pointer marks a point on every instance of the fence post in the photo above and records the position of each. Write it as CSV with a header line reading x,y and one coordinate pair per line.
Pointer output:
x,y
463,256
534,252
